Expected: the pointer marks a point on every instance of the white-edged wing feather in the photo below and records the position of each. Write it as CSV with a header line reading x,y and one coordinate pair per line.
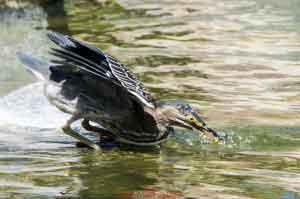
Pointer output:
x,y
93,61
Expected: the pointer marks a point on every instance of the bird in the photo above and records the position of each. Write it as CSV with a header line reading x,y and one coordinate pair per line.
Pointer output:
x,y
96,88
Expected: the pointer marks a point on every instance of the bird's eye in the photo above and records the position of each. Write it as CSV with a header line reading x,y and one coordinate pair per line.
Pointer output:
x,y
192,119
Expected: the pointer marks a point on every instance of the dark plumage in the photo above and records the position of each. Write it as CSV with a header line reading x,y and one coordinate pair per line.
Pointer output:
x,y
94,86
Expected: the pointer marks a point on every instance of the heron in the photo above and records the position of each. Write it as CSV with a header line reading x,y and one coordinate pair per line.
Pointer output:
x,y
96,88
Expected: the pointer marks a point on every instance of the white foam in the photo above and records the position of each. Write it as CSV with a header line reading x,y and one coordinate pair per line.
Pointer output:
x,y
28,107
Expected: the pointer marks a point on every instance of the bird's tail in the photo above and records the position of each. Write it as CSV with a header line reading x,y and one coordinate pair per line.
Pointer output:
x,y
39,68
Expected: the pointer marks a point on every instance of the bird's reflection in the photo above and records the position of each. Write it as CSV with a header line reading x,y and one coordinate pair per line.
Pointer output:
x,y
126,172
115,172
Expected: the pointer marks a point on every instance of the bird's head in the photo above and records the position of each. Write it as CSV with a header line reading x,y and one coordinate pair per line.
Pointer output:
x,y
183,115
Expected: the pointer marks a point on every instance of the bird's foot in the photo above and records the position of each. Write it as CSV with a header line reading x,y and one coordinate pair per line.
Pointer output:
x,y
106,138
69,131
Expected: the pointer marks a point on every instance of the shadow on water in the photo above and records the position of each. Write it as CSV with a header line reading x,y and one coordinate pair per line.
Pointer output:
x,y
231,59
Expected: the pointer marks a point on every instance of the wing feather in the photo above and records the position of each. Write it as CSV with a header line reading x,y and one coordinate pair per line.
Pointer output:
x,y
59,63
71,57
92,60
122,73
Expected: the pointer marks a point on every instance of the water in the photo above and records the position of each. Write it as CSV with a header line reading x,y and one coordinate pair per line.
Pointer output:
x,y
235,60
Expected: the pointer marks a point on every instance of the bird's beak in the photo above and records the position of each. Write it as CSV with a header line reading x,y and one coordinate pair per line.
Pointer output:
x,y
199,124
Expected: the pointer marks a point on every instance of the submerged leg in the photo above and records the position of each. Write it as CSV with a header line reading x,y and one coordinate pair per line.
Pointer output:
x,y
103,133
69,131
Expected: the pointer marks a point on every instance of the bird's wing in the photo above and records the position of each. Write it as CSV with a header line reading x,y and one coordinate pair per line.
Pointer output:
x,y
93,61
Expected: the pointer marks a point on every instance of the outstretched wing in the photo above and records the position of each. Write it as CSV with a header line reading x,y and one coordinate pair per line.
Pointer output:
x,y
93,61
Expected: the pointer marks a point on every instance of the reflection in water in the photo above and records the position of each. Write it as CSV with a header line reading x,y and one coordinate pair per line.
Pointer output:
x,y
131,171
237,60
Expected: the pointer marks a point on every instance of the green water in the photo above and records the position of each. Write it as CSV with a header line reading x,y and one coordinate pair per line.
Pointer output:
x,y
235,60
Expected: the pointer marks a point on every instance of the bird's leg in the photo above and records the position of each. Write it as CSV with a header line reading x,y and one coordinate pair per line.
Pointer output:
x,y
69,131
103,133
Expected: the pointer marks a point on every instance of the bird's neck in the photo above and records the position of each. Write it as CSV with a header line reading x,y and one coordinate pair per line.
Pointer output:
x,y
155,120
158,115
150,111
